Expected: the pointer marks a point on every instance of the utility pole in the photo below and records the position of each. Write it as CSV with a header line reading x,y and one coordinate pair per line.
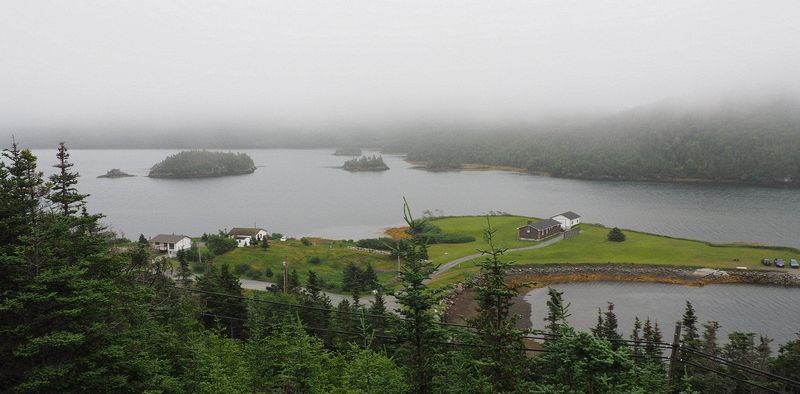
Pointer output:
x,y
674,355
284,276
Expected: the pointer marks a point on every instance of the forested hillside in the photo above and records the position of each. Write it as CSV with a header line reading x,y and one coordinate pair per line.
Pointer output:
x,y
757,144
81,314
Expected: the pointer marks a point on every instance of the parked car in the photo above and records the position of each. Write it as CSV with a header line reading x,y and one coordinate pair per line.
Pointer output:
x,y
765,261
779,263
793,263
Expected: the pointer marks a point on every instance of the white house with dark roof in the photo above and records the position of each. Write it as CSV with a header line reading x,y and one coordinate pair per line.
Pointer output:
x,y
170,243
567,219
243,235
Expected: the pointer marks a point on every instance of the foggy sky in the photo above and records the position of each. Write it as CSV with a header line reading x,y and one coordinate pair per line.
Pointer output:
x,y
157,65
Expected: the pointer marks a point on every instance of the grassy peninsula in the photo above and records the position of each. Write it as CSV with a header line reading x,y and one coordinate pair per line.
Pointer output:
x,y
203,164
592,247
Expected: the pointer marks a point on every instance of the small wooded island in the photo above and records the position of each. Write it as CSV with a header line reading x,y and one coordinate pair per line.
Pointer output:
x,y
203,164
364,163
115,173
348,152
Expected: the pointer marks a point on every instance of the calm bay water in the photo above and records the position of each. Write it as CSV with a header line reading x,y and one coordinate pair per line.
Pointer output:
x,y
765,310
297,192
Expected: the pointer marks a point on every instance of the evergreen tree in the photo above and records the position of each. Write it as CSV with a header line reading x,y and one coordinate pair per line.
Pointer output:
x,y
269,272
64,193
351,278
294,282
557,311
72,315
369,279
494,323
616,235
142,240
224,303
318,313
690,335
417,332
637,350
264,243
785,364
610,327
184,273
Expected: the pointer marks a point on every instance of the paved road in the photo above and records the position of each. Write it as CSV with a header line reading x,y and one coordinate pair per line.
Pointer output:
x,y
446,266
391,302
365,299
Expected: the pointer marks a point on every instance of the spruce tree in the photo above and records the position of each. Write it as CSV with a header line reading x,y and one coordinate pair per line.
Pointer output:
x,y
417,332
636,336
318,313
64,193
72,315
610,327
369,280
495,325
142,240
557,311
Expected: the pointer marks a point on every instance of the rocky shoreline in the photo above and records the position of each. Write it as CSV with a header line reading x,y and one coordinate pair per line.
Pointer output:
x,y
560,273
459,303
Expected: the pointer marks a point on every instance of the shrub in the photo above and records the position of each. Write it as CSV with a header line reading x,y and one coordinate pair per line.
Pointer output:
x,y
241,269
219,244
616,235
377,243
276,236
197,267
314,260
305,241
269,272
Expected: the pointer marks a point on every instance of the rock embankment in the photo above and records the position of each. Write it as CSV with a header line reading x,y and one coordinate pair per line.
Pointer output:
x,y
643,273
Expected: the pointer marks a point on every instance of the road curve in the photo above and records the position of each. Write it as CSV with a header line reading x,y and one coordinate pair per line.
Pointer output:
x,y
450,264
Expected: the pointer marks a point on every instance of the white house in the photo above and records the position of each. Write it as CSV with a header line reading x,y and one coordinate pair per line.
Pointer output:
x,y
243,235
170,243
567,219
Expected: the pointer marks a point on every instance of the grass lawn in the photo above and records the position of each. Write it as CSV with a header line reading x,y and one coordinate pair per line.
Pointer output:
x,y
591,246
334,256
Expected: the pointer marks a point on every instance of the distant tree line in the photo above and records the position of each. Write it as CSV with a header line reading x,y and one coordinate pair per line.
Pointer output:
x,y
758,144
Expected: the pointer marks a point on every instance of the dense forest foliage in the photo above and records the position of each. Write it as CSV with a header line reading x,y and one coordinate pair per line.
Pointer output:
x,y
201,163
366,163
757,144
78,314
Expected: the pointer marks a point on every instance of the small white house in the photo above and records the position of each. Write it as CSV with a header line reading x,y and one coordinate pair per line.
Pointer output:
x,y
243,235
170,243
567,219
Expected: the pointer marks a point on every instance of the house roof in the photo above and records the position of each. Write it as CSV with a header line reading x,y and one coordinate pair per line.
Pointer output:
x,y
168,238
569,215
245,231
543,224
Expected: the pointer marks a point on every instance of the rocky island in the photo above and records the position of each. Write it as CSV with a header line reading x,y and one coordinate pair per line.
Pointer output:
x,y
115,173
364,163
203,164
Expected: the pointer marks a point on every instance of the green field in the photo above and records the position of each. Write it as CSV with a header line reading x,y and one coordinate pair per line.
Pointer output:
x,y
334,256
591,246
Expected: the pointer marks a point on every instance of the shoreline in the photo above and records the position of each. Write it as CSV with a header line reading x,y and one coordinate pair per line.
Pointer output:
x,y
421,165
560,273
461,303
